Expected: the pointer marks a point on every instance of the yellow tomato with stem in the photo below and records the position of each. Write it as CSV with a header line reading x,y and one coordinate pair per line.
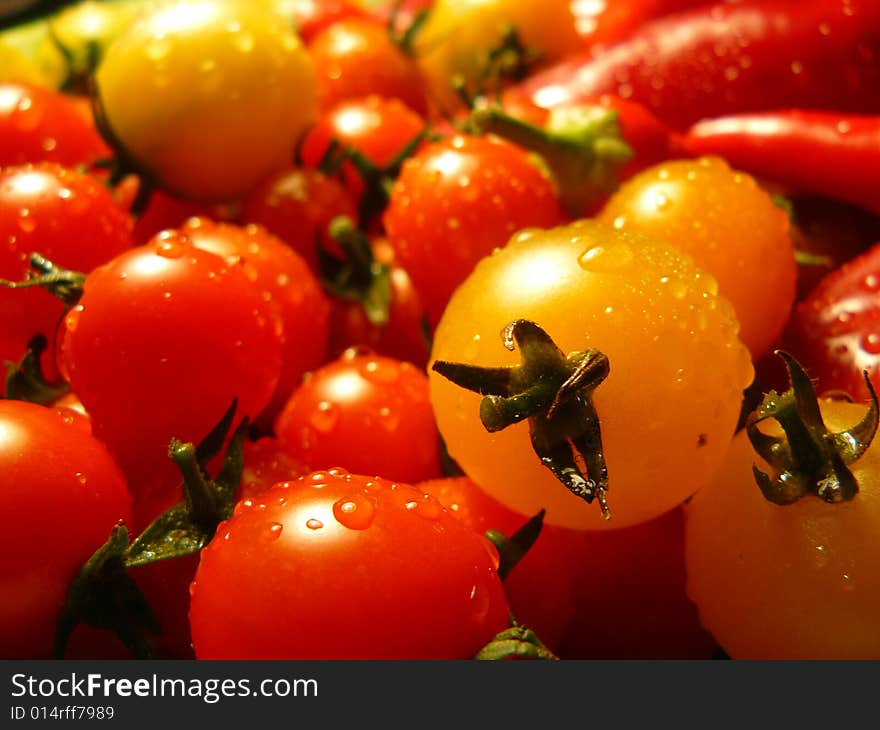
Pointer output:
x,y
796,580
459,34
677,369
223,89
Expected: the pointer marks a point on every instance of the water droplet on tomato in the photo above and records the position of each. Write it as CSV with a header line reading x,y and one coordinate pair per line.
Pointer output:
x,y
169,249
314,524
318,479
380,371
325,417
355,512
871,343
80,477
601,259
273,532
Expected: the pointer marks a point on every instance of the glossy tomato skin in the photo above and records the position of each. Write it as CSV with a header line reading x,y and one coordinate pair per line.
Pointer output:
x,y
226,89
367,412
339,566
835,330
64,215
38,125
287,285
540,588
357,57
310,17
62,486
797,581
670,403
297,205
457,200
731,227
162,340
377,127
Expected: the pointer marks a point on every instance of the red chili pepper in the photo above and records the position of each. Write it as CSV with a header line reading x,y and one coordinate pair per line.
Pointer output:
x,y
733,57
824,153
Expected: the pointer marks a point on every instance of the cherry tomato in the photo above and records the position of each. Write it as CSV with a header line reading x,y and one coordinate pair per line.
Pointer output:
x,y
321,566
402,337
162,340
297,205
669,405
731,227
287,284
455,201
540,587
64,215
224,92
310,17
368,413
834,330
39,125
65,493
795,581
357,57
459,34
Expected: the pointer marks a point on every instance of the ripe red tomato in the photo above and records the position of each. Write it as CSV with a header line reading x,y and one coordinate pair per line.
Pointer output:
x,y
455,201
297,205
402,337
287,285
835,331
377,127
356,57
367,413
540,588
162,340
59,480
310,17
38,124
66,216
338,566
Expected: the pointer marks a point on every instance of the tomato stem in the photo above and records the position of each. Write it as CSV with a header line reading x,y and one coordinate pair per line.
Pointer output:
x,y
26,381
514,548
553,391
581,145
65,284
809,459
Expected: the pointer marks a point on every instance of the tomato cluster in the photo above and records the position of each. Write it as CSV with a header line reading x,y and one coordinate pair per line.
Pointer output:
x,y
413,330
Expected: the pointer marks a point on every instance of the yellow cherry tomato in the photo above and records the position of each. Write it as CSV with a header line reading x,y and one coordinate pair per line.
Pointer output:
x,y
731,227
209,96
797,581
669,405
458,35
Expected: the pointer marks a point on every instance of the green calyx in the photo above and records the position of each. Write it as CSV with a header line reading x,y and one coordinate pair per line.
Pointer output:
x,y
553,391
25,379
104,595
582,147
516,642
809,459
358,277
65,284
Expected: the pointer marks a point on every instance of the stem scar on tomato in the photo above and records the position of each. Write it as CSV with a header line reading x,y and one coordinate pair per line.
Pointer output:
x,y
554,392
809,458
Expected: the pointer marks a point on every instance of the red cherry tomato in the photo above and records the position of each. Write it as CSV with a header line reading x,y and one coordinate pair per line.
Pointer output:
x,y
356,57
338,566
456,201
368,413
162,340
66,216
62,493
38,125
287,284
